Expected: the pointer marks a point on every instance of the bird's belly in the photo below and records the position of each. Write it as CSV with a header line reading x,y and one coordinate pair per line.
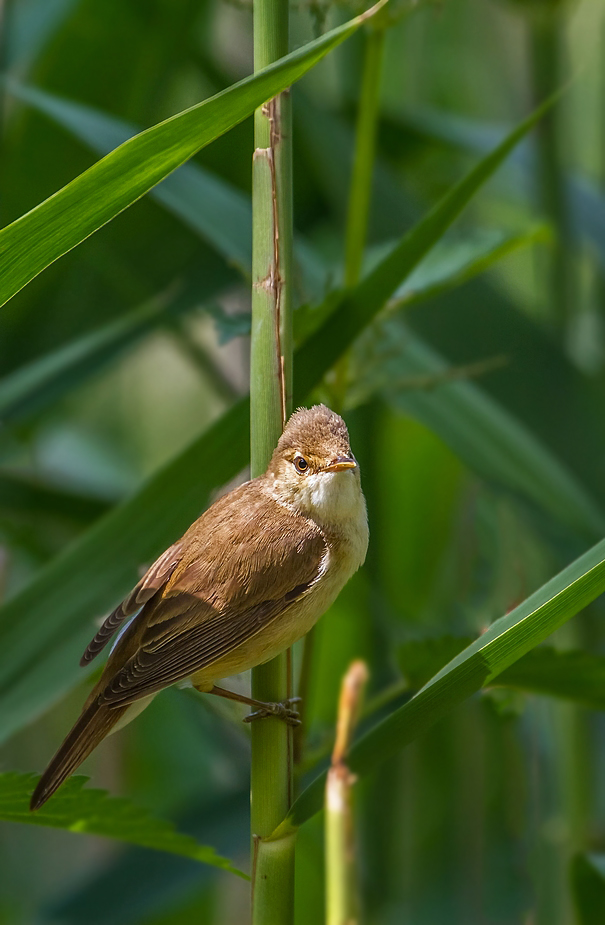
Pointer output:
x,y
278,635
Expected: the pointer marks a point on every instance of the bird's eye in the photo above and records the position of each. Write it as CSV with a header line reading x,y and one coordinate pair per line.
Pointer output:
x,y
300,464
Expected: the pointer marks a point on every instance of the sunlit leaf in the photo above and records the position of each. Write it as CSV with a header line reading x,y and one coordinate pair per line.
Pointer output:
x,y
219,212
61,222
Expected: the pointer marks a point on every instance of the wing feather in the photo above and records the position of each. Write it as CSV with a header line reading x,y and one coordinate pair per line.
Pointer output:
x,y
149,585
244,562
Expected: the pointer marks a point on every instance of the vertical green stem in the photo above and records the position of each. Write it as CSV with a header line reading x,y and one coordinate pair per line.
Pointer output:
x,y
363,163
342,900
546,76
270,398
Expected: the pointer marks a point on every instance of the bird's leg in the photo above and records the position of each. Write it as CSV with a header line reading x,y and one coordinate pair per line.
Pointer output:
x,y
280,710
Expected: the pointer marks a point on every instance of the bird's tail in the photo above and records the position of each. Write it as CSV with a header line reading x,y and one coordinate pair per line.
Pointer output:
x,y
93,725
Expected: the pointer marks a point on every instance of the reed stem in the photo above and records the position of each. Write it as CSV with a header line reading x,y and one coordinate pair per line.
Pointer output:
x,y
270,401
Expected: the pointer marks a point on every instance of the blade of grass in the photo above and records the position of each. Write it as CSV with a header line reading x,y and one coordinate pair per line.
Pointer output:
x,y
570,675
219,212
506,640
58,224
448,264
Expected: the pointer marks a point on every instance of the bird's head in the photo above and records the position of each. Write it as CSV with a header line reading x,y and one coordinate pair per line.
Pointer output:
x,y
313,468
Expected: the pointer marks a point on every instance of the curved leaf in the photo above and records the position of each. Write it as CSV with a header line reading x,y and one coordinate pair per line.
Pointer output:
x,y
506,640
219,212
571,675
51,229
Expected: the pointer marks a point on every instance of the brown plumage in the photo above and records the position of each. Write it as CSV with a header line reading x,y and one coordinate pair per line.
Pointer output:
x,y
247,579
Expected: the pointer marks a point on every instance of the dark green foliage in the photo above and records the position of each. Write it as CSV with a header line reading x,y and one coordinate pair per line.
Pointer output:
x,y
475,408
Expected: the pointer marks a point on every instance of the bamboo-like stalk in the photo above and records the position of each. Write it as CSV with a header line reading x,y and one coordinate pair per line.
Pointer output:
x,y
342,901
270,399
363,162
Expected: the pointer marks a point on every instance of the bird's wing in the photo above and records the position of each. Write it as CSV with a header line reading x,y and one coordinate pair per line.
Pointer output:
x,y
152,581
261,560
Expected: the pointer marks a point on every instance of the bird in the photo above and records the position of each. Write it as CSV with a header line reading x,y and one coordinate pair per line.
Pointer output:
x,y
247,580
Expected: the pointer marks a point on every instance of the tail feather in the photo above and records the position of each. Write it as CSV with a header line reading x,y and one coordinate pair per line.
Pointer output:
x,y
92,726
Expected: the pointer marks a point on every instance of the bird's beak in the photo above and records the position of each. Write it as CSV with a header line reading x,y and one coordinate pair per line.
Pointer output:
x,y
340,464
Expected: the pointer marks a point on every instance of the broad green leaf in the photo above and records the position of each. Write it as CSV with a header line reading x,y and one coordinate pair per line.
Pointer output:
x,y
46,626
492,441
51,229
95,813
220,213
588,887
506,640
572,675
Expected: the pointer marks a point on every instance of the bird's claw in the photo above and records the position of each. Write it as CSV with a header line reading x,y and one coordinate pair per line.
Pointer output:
x,y
280,710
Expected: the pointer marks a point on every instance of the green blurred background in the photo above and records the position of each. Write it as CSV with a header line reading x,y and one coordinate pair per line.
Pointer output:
x,y
496,817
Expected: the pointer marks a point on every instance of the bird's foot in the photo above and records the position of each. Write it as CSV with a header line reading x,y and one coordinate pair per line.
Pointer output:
x,y
281,710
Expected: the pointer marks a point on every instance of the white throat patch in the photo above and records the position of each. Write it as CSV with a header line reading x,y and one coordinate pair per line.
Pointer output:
x,y
330,497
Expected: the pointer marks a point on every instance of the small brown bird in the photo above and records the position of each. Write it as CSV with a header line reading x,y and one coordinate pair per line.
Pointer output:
x,y
248,579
